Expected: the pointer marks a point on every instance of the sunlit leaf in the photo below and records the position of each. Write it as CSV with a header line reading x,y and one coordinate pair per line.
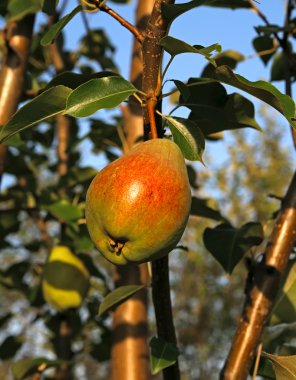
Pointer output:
x,y
65,211
162,354
284,309
283,366
97,94
187,136
56,29
50,103
117,296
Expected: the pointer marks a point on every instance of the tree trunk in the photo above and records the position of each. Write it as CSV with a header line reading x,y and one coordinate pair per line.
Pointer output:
x,y
18,41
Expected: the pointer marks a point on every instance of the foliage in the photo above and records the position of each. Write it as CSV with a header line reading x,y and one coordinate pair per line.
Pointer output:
x,y
42,204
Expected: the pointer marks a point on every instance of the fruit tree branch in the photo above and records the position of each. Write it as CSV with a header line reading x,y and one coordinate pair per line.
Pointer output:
x,y
17,36
263,290
163,310
104,8
157,28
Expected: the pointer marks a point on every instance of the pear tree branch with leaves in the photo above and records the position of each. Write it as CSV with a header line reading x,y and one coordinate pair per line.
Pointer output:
x,y
146,192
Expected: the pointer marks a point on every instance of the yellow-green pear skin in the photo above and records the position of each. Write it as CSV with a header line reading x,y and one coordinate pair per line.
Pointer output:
x,y
138,206
65,280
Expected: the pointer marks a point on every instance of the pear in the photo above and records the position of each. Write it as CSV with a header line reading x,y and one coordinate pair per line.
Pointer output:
x,y
65,281
138,206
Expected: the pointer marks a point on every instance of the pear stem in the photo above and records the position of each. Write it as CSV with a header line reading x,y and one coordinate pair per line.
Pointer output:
x,y
151,104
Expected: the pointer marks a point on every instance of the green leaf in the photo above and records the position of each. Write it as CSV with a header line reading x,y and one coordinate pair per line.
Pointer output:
x,y
228,57
117,296
63,210
9,347
240,112
162,354
269,29
171,11
78,175
97,94
261,90
50,103
262,44
74,80
187,136
183,90
284,309
65,276
283,366
232,4
49,6
14,140
173,46
56,29
237,112
279,67
26,367
229,244
215,111
18,9
203,208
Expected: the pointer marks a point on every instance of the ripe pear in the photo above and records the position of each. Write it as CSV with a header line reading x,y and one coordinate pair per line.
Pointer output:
x,y
137,207
65,280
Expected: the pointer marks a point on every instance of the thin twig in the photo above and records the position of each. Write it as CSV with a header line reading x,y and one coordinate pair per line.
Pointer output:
x,y
104,8
257,361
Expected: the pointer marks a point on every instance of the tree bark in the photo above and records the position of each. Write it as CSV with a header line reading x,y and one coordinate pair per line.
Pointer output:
x,y
263,290
17,46
130,353
156,29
